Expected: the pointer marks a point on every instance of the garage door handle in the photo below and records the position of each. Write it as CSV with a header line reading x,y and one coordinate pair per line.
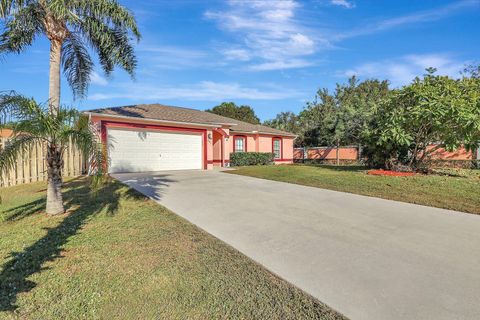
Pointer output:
x,y
160,155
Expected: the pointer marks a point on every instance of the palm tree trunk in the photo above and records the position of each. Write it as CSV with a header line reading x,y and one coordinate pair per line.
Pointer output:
x,y
54,77
54,183
54,156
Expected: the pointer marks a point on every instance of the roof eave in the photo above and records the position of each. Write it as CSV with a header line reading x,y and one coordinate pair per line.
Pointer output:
x,y
286,134
212,125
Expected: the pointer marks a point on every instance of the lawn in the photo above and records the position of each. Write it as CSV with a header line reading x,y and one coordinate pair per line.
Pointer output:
x,y
460,190
116,254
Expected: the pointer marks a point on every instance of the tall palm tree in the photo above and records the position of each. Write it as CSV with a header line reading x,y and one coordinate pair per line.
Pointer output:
x,y
34,124
73,27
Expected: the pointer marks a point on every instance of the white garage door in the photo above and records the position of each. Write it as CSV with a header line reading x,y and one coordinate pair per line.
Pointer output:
x,y
139,151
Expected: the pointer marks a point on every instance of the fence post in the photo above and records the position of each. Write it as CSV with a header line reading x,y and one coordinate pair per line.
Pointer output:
x,y
338,155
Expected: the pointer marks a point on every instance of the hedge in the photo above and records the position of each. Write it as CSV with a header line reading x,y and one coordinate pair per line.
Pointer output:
x,y
250,158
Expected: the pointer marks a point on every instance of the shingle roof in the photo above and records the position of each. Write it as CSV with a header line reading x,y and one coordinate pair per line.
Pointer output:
x,y
180,114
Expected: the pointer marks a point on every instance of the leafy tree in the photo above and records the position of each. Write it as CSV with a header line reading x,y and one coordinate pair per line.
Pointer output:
x,y
344,116
231,110
36,124
357,103
286,121
318,120
432,110
472,70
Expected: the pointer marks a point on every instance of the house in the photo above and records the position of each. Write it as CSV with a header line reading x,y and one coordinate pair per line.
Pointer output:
x,y
155,137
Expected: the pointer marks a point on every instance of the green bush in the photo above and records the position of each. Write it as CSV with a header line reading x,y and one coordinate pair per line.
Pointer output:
x,y
250,158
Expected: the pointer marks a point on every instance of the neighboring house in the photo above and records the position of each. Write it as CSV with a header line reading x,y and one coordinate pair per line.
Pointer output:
x,y
156,137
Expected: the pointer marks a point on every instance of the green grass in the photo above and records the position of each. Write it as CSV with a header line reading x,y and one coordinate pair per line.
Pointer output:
x,y
454,189
117,254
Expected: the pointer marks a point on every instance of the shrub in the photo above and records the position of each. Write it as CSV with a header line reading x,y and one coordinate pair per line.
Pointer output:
x,y
250,158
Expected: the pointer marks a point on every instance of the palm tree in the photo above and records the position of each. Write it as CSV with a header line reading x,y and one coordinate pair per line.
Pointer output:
x,y
32,124
73,27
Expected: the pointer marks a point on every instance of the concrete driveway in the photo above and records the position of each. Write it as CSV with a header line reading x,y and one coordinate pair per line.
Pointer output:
x,y
365,257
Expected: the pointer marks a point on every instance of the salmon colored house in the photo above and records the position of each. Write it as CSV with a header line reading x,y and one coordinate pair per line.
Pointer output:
x,y
156,137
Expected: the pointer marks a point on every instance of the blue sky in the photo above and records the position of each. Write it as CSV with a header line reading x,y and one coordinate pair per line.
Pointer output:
x,y
272,55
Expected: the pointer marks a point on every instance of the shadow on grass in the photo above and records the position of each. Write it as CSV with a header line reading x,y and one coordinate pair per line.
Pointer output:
x,y
81,204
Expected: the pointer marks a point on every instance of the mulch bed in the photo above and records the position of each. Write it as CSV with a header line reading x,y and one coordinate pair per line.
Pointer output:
x,y
390,173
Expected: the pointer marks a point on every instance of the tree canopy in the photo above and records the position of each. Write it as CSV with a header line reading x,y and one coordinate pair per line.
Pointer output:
x,y
403,126
231,110
433,110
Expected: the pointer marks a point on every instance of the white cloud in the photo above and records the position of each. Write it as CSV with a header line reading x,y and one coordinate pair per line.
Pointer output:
x,y
236,54
403,70
202,91
173,57
267,31
276,65
343,3
414,18
97,79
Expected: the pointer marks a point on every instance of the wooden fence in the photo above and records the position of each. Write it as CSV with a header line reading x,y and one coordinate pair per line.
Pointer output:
x,y
31,165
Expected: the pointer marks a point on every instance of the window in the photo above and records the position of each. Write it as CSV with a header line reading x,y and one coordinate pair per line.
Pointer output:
x,y
277,148
239,144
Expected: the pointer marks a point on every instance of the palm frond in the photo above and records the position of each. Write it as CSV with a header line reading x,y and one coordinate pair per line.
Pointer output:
x,y
84,136
77,65
17,107
112,45
15,147
7,6
20,31
110,12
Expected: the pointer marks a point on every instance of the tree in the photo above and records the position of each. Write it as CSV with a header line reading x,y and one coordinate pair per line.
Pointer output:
x,y
35,124
357,103
318,120
344,116
72,27
434,110
286,121
472,70
231,110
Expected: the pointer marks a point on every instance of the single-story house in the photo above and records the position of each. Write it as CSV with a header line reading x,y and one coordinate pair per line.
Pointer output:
x,y
155,137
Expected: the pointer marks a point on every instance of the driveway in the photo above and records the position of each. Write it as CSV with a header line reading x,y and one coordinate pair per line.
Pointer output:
x,y
368,258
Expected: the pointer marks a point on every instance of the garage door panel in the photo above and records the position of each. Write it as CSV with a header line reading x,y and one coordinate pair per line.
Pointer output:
x,y
138,150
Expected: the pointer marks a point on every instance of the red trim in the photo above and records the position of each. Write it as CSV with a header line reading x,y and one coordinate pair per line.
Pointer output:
x,y
281,147
221,131
117,124
282,160
244,143
150,126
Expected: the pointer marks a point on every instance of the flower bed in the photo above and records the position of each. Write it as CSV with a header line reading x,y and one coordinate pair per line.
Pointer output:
x,y
390,173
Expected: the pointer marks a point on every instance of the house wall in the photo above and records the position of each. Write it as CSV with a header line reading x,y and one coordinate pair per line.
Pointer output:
x,y
154,125
212,148
263,143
